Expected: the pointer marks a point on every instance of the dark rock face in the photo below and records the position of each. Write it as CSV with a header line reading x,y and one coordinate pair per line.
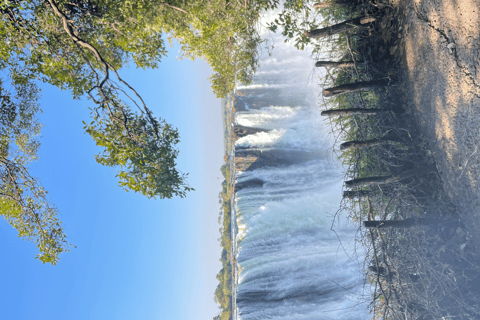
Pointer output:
x,y
241,131
252,183
266,97
251,159
238,104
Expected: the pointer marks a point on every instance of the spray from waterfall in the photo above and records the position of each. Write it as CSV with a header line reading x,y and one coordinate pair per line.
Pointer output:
x,y
291,265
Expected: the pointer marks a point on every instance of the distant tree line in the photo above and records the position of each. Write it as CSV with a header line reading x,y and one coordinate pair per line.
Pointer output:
x,y
223,292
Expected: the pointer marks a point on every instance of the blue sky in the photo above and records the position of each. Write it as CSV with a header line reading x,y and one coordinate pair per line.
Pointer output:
x,y
135,258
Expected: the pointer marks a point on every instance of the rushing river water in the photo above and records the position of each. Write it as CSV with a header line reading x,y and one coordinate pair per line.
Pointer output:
x,y
291,265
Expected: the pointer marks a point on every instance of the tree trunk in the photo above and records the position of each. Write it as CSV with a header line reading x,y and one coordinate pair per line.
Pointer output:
x,y
353,87
356,194
406,223
337,28
371,181
325,4
335,64
361,144
350,112
367,143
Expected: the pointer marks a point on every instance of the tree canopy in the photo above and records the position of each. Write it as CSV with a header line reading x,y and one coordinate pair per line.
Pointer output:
x,y
80,46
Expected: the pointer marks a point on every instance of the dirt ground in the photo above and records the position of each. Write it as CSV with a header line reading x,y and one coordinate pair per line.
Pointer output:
x,y
440,46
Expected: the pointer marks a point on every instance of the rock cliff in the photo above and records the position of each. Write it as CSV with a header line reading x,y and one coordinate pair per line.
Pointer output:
x,y
251,159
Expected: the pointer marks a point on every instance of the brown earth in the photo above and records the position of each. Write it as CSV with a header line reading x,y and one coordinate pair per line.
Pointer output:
x,y
440,50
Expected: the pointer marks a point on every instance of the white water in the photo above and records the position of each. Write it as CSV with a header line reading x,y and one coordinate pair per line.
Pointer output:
x,y
291,264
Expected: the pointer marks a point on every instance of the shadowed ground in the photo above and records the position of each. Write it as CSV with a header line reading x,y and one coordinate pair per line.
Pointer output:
x,y
441,51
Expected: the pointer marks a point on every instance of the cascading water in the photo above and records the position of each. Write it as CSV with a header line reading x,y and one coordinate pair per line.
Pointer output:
x,y
291,265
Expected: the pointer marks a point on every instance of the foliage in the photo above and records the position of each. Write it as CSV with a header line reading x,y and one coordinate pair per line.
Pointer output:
x,y
223,293
80,46
23,201
25,206
225,34
131,148
298,16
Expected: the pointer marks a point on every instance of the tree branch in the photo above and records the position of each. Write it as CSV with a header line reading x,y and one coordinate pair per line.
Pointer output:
x,y
182,10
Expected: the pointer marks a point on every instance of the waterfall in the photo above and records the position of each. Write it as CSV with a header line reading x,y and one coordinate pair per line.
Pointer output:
x,y
291,265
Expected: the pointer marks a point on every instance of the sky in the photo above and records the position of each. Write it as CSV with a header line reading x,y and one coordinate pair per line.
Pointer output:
x,y
136,258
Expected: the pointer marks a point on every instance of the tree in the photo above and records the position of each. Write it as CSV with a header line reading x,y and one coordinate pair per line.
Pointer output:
x,y
357,194
350,112
80,46
299,17
373,181
367,143
405,223
336,64
224,33
23,201
353,87
370,181
69,46
340,27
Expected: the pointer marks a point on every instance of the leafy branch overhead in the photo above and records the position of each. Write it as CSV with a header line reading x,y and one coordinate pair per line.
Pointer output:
x,y
80,46
23,201
142,146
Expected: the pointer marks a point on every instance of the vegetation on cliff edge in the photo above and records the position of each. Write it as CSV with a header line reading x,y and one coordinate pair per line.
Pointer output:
x,y
223,292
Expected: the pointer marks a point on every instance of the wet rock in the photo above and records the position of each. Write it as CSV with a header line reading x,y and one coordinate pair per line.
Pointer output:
x,y
266,97
251,159
241,131
238,104
252,183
